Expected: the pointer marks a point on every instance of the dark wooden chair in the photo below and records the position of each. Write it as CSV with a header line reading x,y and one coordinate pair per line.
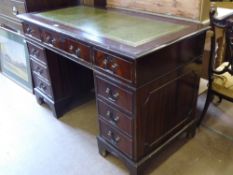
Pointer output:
x,y
220,78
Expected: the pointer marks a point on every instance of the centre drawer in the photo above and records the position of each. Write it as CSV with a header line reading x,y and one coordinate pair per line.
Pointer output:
x,y
116,95
77,49
71,46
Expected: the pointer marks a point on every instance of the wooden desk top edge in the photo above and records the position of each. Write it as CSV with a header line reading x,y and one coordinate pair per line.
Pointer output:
x,y
117,47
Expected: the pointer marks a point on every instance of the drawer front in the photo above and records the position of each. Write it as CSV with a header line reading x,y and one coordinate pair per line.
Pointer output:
x,y
31,31
121,142
53,39
78,50
40,70
75,48
37,53
14,26
11,8
115,118
114,94
43,86
114,65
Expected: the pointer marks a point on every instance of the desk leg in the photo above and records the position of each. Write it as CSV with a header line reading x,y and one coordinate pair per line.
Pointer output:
x,y
136,171
39,100
102,151
57,111
133,167
57,108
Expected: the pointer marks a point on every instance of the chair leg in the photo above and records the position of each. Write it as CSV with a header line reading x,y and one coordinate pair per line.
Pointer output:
x,y
207,103
219,100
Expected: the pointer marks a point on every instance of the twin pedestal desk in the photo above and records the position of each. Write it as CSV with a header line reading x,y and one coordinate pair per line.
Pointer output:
x,y
145,70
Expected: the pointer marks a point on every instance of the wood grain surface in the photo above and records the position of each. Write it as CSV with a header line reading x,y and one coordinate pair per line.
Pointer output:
x,y
182,8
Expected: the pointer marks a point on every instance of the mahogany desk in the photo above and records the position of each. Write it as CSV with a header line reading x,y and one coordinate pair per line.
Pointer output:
x,y
145,70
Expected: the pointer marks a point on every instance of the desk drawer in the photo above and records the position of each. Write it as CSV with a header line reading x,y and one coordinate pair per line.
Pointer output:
x,y
14,26
53,39
114,65
114,94
118,140
115,118
40,70
31,31
42,86
37,53
78,50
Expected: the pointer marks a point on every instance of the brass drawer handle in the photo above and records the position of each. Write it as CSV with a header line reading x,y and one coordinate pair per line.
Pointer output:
x,y
231,40
114,139
29,30
116,119
39,70
113,119
109,64
114,67
117,139
42,86
47,39
71,48
78,52
116,96
50,40
112,96
15,11
53,42
35,52
110,133
109,114
106,61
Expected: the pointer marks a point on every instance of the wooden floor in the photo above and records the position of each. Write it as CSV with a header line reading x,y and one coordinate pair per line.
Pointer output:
x,y
33,142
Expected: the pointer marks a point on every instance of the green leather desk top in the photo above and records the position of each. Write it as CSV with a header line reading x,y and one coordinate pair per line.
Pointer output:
x,y
124,28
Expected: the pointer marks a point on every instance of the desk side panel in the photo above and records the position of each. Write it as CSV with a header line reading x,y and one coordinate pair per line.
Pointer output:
x,y
169,59
167,102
